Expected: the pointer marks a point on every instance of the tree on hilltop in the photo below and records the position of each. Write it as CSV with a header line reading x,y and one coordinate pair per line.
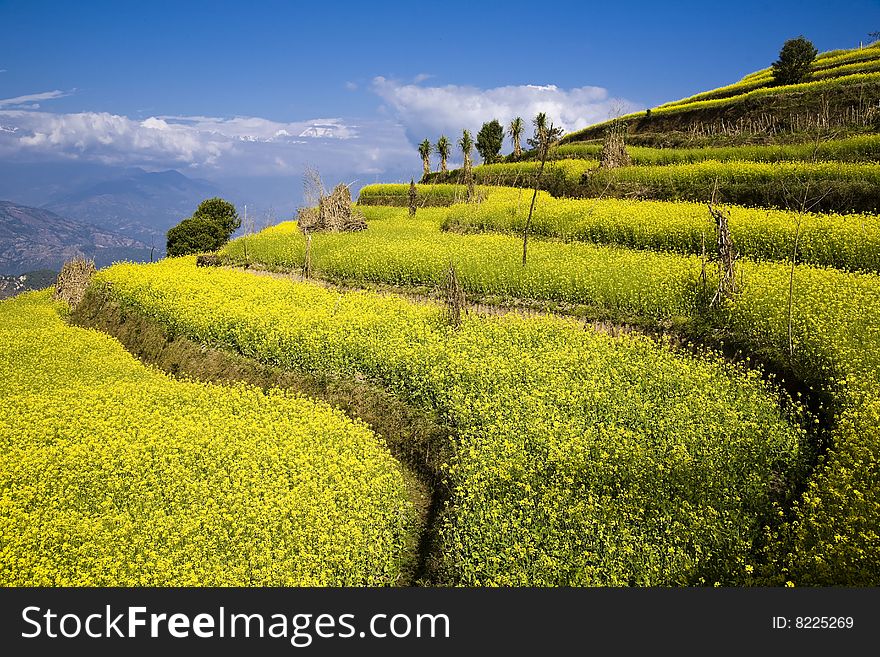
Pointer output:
x,y
490,138
794,61
425,149
444,147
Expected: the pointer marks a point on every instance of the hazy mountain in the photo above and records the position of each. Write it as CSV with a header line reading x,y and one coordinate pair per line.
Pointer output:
x,y
35,238
35,184
140,204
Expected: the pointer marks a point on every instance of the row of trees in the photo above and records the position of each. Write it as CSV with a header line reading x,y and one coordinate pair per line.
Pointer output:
x,y
489,141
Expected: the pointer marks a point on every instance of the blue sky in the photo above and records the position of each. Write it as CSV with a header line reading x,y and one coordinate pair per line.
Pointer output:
x,y
262,88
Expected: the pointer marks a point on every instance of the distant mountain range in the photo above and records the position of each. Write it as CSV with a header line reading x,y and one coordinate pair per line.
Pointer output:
x,y
132,202
141,205
35,238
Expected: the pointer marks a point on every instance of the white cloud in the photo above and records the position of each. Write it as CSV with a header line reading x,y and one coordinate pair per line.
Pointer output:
x,y
208,146
250,128
430,111
30,98
107,138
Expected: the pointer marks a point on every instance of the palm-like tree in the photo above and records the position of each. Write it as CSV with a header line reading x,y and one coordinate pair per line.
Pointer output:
x,y
467,144
540,127
544,136
425,149
443,148
515,130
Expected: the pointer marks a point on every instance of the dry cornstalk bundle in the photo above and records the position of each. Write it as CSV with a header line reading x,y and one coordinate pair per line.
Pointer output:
x,y
412,197
334,213
614,153
73,280
727,256
208,260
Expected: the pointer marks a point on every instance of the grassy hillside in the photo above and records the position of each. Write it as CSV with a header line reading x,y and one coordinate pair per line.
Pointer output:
x,y
841,93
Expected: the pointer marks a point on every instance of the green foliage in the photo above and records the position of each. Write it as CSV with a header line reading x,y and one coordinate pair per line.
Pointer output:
x,y
208,229
545,135
113,474
220,212
794,61
580,459
194,235
490,138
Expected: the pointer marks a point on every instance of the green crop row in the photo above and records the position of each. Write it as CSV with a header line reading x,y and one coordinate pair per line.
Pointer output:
x,y
580,459
559,177
817,186
834,58
415,253
863,148
728,91
426,195
848,242
114,474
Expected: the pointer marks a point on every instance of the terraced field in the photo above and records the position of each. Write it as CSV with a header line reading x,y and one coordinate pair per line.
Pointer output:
x,y
564,437
829,186
850,242
844,82
821,324
116,475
